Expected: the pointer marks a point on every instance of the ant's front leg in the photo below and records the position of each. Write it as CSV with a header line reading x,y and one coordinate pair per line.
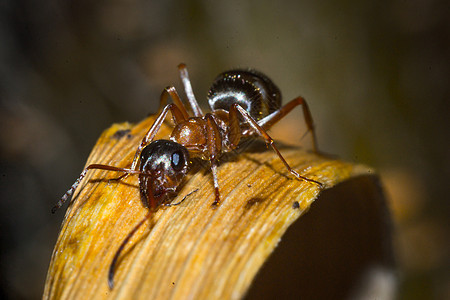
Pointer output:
x,y
267,122
179,114
150,135
235,108
172,92
178,117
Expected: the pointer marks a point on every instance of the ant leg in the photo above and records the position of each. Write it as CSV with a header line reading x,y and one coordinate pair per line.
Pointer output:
x,y
262,133
214,147
216,183
172,92
188,90
83,174
112,267
234,130
267,122
178,117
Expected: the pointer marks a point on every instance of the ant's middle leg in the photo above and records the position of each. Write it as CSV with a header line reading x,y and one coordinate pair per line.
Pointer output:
x,y
235,109
214,148
267,122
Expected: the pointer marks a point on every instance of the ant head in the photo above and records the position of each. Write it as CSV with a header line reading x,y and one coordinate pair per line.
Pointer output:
x,y
164,164
251,89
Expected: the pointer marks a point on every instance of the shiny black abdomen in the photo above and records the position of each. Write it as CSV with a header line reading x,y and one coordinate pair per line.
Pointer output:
x,y
252,90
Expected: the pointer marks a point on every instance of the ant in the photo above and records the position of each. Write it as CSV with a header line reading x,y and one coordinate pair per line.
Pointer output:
x,y
244,103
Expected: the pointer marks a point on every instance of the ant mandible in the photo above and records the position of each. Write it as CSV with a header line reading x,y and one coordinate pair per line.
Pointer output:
x,y
243,103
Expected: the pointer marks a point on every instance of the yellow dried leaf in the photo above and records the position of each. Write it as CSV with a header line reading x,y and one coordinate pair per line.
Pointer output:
x,y
190,251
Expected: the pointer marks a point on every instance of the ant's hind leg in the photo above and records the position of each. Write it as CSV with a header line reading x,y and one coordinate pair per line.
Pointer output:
x,y
267,122
269,141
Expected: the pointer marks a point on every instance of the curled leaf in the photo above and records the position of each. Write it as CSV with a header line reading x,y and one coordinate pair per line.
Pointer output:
x,y
191,251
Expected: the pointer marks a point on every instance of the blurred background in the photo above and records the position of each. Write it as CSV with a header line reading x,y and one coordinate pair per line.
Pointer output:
x,y
375,74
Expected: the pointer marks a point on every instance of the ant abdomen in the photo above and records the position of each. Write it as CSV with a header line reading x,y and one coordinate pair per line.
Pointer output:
x,y
252,90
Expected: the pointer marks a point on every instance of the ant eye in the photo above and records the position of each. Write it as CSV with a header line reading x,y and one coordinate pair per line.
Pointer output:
x,y
177,160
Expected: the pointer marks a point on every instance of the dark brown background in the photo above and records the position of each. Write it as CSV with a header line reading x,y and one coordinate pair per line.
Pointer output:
x,y
374,72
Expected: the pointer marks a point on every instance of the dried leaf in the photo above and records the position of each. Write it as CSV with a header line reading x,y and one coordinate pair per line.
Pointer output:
x,y
190,251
